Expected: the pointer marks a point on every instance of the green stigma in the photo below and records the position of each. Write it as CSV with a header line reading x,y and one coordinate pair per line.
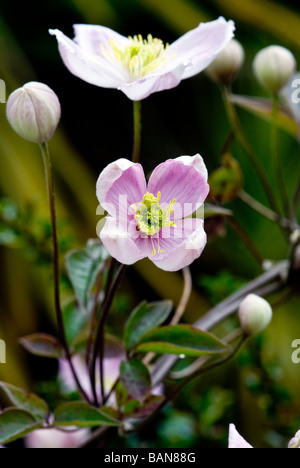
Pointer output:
x,y
140,56
151,217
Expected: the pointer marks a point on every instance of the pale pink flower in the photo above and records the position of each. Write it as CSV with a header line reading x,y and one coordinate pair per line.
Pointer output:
x,y
137,66
154,220
236,441
55,439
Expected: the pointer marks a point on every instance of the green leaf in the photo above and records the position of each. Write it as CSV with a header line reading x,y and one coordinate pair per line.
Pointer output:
x,y
134,409
136,379
74,320
181,340
80,414
226,182
43,345
144,318
15,423
29,402
264,108
83,267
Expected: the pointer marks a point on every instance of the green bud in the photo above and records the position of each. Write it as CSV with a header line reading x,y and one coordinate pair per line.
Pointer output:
x,y
227,64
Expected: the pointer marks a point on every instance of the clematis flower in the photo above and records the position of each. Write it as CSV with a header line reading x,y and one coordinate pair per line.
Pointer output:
x,y
154,220
236,441
137,66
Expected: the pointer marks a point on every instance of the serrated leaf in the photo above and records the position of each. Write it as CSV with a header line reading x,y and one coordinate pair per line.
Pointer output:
x,y
23,400
135,409
15,423
181,340
80,414
43,345
83,267
144,318
136,379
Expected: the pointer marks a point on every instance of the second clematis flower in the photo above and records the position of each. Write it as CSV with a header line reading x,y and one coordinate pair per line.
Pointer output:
x,y
154,220
138,66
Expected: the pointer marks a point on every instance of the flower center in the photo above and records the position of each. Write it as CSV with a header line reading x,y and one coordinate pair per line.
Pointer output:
x,y
140,56
151,217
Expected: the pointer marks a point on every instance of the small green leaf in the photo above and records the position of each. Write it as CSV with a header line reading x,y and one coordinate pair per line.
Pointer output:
x,y
15,423
136,379
23,400
144,318
43,345
83,267
80,414
135,409
181,340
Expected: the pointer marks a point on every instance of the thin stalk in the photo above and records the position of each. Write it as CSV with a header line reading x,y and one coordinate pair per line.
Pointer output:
x,y
276,158
186,294
56,273
247,240
137,124
99,342
295,205
236,126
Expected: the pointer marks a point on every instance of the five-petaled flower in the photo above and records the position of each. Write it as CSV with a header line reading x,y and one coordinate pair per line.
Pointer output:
x,y
154,220
138,66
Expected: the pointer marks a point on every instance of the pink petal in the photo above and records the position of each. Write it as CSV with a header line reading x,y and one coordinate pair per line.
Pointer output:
x,y
121,184
236,441
120,245
89,66
92,38
183,247
142,88
199,47
197,162
181,181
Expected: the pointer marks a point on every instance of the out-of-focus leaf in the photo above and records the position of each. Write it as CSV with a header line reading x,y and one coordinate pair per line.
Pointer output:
x,y
136,379
23,400
144,318
80,414
83,267
134,409
43,345
15,423
181,340
264,108
226,182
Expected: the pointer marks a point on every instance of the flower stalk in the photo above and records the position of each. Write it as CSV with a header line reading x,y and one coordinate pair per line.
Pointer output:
x,y
137,122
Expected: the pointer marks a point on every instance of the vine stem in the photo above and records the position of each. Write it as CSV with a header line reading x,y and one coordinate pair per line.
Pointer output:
x,y
137,124
237,128
59,315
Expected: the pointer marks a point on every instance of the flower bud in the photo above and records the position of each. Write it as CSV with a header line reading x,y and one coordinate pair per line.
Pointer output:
x,y
34,111
273,67
227,64
255,314
295,442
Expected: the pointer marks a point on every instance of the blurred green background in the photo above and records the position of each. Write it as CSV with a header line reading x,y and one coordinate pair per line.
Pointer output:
x,y
96,128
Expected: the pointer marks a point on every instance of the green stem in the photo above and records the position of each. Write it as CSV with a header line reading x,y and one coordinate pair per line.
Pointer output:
x,y
137,121
236,126
59,316
247,240
276,158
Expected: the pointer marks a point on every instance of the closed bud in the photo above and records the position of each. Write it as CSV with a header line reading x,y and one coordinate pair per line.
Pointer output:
x,y
227,64
273,67
34,111
255,314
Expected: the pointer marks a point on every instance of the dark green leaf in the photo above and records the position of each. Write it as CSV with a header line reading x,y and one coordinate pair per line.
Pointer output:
x,y
136,379
80,414
15,423
74,320
144,318
83,267
181,340
134,409
23,400
43,345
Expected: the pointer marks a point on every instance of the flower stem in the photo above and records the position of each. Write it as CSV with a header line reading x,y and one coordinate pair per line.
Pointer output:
x,y
137,121
276,158
236,126
99,342
59,316
247,240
